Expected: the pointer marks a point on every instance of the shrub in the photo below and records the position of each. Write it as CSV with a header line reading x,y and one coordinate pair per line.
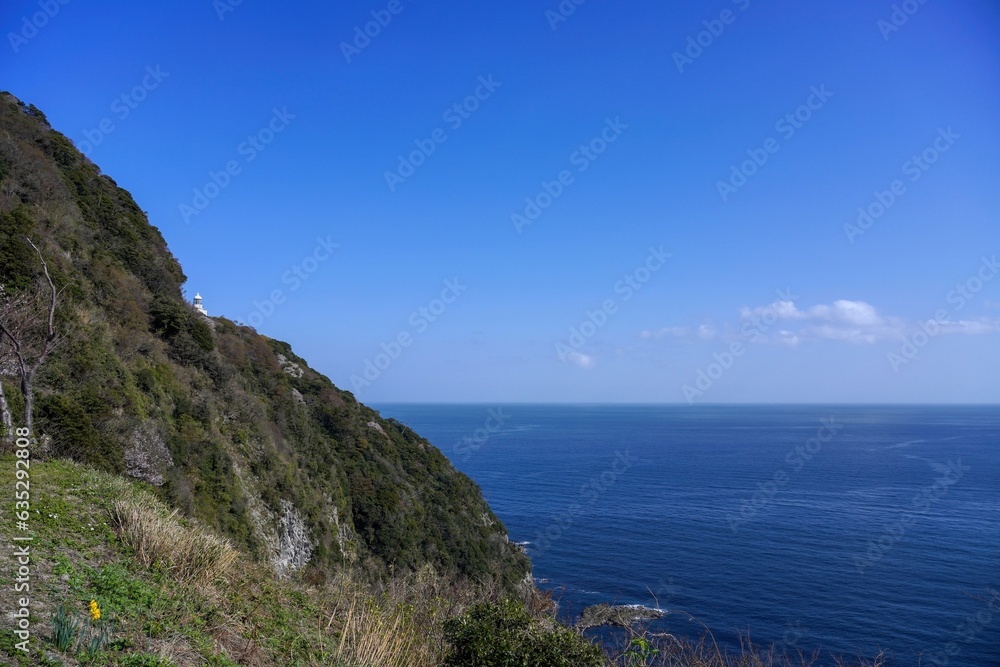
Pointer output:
x,y
171,318
18,266
503,634
74,435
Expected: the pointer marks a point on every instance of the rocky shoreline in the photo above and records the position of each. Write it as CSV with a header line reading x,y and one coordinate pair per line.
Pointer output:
x,y
622,616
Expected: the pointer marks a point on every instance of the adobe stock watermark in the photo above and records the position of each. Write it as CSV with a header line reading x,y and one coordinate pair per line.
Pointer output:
x,y
697,44
594,320
562,12
454,116
795,460
122,107
968,630
21,549
223,7
958,297
787,126
900,16
294,277
31,25
914,168
581,159
419,321
248,151
755,325
364,34
467,445
589,494
920,504
791,637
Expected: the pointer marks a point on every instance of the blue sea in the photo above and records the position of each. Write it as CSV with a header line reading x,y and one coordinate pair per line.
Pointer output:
x,y
845,528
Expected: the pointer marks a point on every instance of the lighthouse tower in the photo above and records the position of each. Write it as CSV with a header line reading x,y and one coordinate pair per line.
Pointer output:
x,y
197,305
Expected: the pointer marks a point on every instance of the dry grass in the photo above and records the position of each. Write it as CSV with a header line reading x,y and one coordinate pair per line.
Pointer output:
x,y
371,635
396,623
191,554
674,651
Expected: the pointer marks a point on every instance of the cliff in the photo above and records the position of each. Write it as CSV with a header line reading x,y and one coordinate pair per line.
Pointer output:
x,y
228,425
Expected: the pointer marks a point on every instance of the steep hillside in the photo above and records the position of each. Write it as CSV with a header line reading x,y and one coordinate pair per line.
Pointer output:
x,y
177,596
229,425
171,593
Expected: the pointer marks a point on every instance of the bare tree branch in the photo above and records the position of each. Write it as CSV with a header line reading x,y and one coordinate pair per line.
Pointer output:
x,y
20,321
52,306
6,418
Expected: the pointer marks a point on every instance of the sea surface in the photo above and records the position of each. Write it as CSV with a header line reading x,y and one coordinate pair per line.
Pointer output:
x,y
846,528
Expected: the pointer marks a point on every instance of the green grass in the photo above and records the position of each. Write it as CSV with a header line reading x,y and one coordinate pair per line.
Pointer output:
x,y
192,600
76,557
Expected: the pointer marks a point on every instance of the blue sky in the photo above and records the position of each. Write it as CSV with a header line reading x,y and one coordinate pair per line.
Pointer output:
x,y
738,137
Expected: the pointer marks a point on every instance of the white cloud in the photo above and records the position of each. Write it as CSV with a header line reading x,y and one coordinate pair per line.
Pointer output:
x,y
851,312
845,320
784,310
848,334
843,311
703,332
983,325
581,360
673,332
789,338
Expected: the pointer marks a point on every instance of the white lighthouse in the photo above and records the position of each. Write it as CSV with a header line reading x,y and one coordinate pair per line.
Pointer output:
x,y
197,305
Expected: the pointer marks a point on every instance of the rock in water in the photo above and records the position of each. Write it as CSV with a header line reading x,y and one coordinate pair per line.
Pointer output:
x,y
622,616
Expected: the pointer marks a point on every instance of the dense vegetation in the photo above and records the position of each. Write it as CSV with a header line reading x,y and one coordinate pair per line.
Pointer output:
x,y
232,427
503,633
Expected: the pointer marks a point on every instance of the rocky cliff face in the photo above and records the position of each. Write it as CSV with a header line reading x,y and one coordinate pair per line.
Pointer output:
x,y
229,425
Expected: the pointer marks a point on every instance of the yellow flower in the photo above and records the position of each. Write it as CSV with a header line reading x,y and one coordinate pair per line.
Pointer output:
x,y
95,611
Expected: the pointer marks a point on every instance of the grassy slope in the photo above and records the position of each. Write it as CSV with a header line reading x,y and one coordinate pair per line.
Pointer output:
x,y
243,616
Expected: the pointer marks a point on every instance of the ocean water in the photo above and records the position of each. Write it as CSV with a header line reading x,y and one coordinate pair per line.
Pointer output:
x,y
846,528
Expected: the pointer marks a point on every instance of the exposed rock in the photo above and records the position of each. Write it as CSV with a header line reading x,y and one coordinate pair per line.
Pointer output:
x,y
622,616
376,426
147,456
43,448
294,544
298,397
526,587
290,367
345,537
262,519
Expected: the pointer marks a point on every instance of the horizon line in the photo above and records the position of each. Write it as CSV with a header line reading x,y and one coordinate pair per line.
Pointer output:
x,y
682,404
